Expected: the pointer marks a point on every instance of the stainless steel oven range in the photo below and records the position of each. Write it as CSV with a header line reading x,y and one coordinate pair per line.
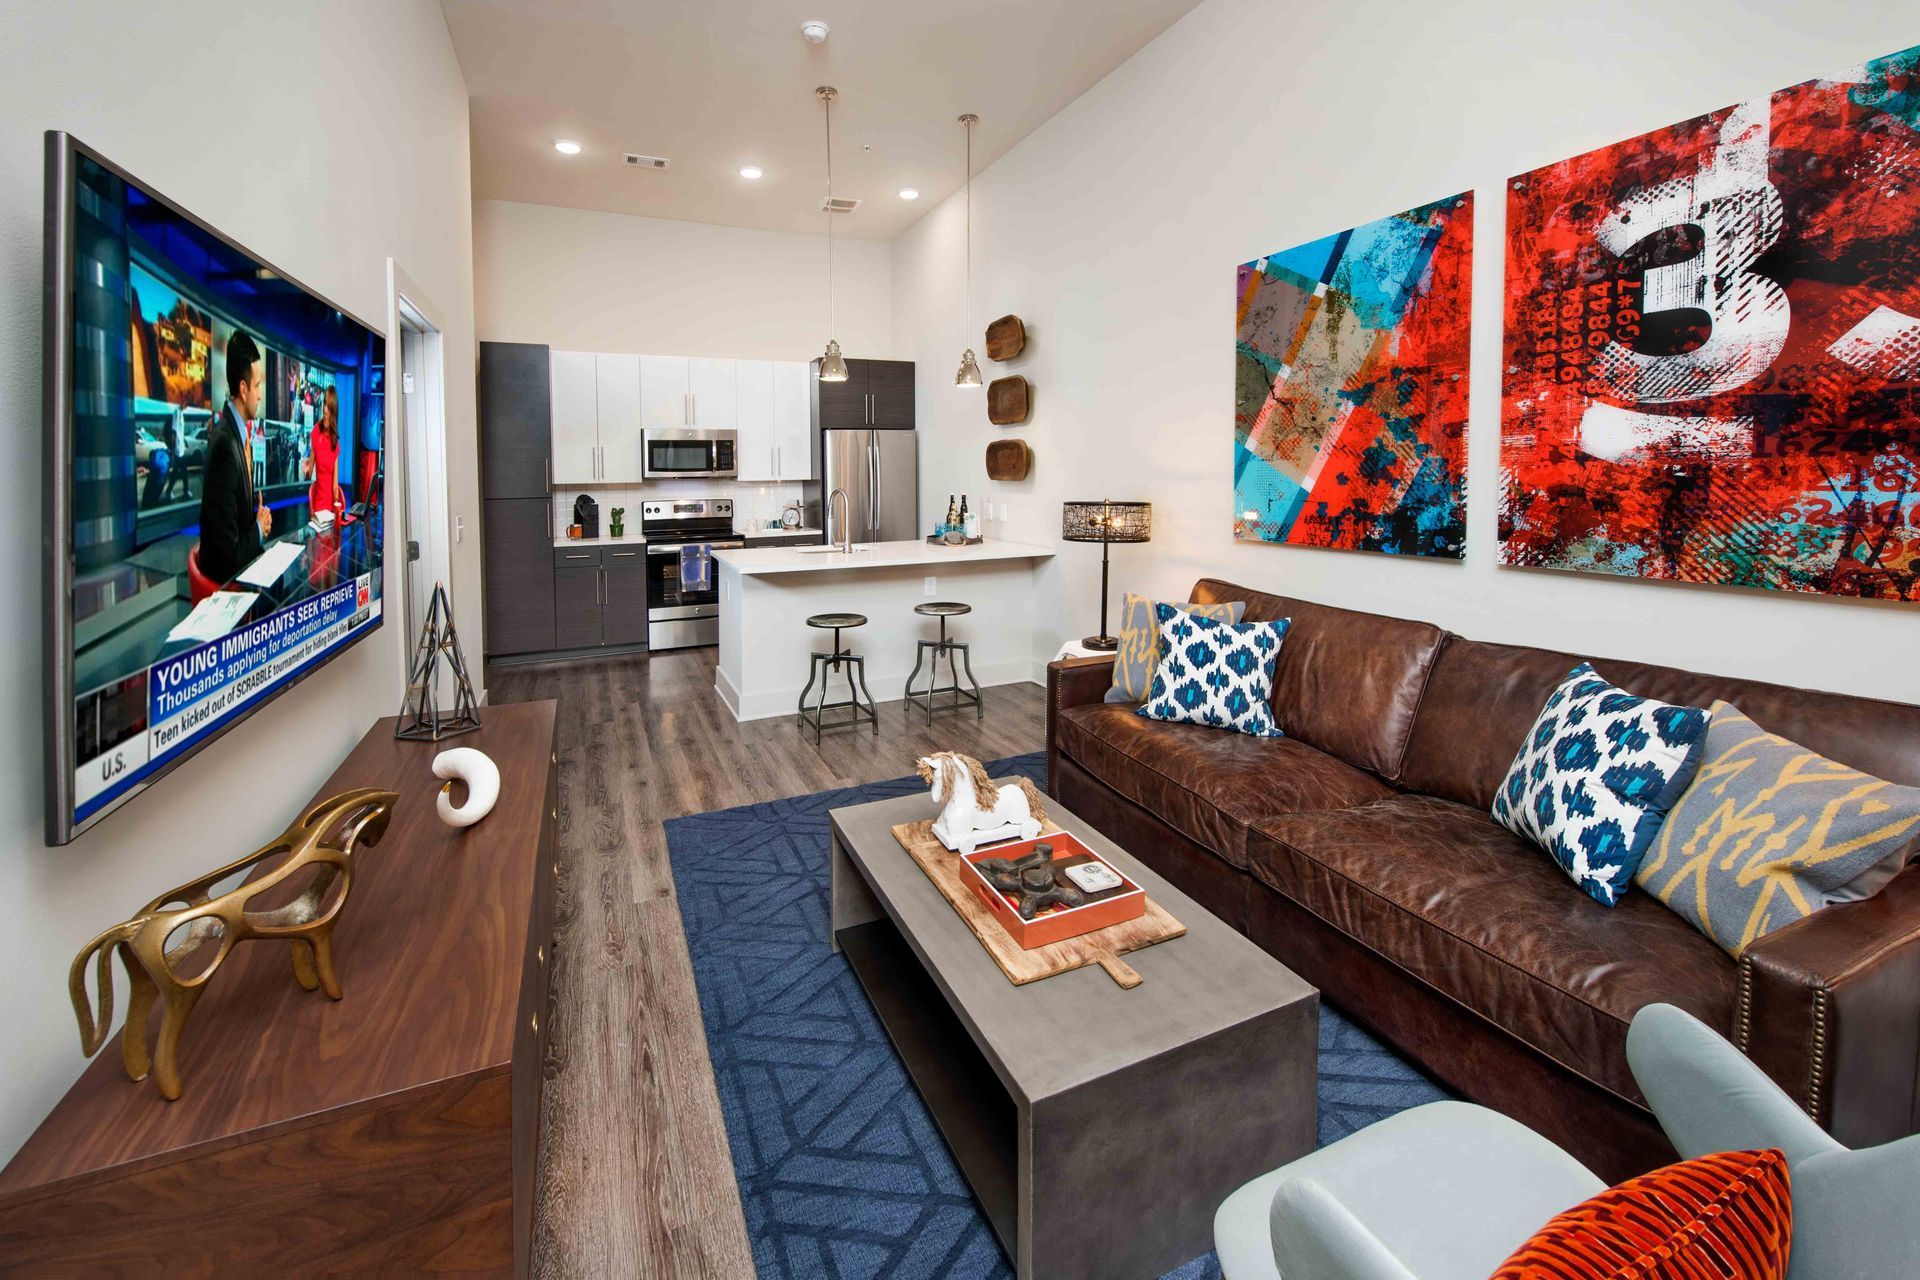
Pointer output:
x,y
681,610
668,453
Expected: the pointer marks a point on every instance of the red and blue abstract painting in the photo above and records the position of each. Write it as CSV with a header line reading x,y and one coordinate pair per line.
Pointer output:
x,y
1712,347
1350,387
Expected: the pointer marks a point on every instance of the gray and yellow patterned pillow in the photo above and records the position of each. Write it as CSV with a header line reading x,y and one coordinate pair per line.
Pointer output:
x,y
1769,832
1139,637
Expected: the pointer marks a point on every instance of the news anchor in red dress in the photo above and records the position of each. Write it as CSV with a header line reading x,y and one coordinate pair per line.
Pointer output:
x,y
326,495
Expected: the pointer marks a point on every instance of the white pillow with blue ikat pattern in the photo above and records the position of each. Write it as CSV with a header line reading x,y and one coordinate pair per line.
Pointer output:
x,y
1595,779
1215,673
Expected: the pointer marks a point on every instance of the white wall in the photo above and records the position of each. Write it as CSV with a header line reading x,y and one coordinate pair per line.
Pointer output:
x,y
588,281
1249,126
326,167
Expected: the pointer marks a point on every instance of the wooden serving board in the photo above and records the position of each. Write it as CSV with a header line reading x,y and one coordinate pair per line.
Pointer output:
x,y
1008,400
1006,338
1008,460
1103,947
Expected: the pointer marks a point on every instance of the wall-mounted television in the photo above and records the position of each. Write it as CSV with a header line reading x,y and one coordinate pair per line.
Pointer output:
x,y
213,519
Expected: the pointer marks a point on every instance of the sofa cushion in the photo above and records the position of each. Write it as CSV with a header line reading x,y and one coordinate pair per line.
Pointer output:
x,y
1347,682
1218,674
1208,784
1482,698
1139,632
1461,903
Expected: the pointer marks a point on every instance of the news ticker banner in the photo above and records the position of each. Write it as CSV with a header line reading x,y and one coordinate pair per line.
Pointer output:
x,y
194,693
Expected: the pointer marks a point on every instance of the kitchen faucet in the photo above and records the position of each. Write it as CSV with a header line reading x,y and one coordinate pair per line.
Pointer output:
x,y
846,519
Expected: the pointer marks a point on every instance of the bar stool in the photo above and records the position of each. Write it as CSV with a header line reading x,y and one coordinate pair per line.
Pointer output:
x,y
943,647
824,665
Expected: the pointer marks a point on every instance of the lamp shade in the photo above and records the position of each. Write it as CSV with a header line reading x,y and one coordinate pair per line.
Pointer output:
x,y
1106,521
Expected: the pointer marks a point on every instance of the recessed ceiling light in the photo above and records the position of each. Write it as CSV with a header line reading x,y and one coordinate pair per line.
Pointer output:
x,y
749,171
909,193
566,146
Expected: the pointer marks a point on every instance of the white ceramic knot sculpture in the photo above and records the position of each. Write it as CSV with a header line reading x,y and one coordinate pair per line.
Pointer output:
x,y
482,776
974,811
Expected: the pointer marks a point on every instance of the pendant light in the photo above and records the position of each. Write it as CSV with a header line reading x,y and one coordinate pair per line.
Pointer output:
x,y
832,367
969,375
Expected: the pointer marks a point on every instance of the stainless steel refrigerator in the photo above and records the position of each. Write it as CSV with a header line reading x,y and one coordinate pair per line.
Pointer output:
x,y
880,472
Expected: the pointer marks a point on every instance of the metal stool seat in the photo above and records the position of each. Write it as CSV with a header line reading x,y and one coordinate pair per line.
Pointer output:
x,y
823,665
943,647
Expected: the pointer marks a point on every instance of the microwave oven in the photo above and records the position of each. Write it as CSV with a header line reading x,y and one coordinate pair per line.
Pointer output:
x,y
667,452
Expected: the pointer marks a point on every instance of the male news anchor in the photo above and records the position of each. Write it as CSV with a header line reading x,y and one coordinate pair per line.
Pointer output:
x,y
233,521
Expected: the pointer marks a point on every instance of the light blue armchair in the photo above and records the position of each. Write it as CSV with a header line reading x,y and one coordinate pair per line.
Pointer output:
x,y
1447,1191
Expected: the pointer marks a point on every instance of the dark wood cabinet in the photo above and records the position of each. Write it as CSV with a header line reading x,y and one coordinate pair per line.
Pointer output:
x,y
515,435
518,555
576,608
877,393
390,1132
623,592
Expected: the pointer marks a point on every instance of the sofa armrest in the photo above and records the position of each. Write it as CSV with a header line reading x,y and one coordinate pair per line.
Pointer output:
x,y
1830,1008
1072,682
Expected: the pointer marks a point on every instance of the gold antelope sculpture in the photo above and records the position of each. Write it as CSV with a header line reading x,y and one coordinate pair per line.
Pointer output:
x,y
306,921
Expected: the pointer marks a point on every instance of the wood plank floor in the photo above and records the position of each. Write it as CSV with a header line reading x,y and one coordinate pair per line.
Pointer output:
x,y
635,1179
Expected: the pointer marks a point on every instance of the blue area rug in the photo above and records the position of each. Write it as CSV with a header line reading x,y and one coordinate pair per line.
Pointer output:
x,y
842,1172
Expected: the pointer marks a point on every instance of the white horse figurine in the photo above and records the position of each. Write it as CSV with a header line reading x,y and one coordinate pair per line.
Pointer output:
x,y
974,811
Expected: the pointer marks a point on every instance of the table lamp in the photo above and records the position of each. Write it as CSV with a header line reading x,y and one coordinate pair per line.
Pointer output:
x,y
1105,522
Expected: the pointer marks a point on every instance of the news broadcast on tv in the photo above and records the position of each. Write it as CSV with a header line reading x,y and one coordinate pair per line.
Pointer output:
x,y
225,478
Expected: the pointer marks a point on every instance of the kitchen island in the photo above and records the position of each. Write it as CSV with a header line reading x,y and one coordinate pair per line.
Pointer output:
x,y
767,595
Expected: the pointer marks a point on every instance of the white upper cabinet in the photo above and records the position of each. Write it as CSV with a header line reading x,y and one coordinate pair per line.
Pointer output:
x,y
792,421
711,387
754,420
575,425
663,392
617,387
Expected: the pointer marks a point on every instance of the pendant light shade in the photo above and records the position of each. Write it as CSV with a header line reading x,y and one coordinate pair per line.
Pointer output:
x,y
833,367
969,374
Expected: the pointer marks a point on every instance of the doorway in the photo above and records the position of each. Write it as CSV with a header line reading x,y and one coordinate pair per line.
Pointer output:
x,y
416,403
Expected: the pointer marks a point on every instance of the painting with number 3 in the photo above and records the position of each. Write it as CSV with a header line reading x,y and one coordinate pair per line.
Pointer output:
x,y
1713,347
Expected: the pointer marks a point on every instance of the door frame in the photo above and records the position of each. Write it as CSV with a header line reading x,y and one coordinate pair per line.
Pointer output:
x,y
410,308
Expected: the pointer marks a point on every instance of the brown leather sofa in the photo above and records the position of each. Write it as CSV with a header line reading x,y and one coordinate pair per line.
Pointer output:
x,y
1359,851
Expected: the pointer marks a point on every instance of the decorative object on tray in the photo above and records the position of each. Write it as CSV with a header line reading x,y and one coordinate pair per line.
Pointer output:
x,y
310,886
953,538
974,811
1008,459
1105,522
420,719
1030,880
1350,387
1138,656
1006,338
1738,407
1769,832
1030,893
963,888
477,770
1008,400
1595,777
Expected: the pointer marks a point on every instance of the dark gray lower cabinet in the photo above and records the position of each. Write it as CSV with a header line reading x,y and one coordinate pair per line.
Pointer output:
x,y
623,591
576,608
519,575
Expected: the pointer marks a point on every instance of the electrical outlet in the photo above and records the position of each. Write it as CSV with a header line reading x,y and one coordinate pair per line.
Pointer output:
x,y
929,585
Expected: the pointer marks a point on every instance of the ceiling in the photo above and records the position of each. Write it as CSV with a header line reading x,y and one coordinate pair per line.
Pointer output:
x,y
717,84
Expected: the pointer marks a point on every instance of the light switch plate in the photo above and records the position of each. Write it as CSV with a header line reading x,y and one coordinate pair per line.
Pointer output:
x,y
929,585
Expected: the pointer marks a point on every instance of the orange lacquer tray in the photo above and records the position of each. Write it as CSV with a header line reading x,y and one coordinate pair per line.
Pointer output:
x,y
1126,902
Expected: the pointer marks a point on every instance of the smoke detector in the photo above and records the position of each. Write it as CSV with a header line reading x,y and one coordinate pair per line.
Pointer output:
x,y
814,32
839,204
635,160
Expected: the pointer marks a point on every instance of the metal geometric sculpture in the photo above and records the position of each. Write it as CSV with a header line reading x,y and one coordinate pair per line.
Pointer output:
x,y
1032,878
420,718
159,945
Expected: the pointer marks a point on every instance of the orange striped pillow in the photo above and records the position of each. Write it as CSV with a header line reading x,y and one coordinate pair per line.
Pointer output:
x,y
1720,1217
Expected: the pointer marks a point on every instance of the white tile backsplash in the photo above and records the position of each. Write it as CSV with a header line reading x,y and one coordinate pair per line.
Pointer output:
x,y
754,504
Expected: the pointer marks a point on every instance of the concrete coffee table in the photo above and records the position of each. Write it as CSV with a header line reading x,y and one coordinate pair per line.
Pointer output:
x,y
1099,1127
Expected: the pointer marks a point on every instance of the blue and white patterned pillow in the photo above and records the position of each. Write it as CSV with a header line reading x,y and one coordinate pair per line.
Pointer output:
x,y
1215,673
1594,780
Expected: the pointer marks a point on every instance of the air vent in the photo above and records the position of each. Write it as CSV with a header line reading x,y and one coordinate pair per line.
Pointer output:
x,y
638,161
839,204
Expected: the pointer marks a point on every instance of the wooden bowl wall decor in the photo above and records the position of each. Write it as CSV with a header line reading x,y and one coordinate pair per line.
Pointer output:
x,y
1008,460
1008,400
1006,338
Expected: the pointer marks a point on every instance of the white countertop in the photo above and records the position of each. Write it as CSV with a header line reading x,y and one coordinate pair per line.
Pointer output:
x,y
874,555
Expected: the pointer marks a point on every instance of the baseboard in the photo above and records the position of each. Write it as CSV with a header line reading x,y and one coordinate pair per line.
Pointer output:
x,y
768,705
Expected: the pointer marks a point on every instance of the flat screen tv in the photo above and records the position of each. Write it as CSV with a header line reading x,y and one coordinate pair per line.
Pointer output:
x,y
213,528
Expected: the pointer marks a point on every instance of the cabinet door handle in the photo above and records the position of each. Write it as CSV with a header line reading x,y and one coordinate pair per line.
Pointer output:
x,y
546,476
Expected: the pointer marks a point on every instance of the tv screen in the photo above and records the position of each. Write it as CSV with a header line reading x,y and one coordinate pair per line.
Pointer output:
x,y
214,515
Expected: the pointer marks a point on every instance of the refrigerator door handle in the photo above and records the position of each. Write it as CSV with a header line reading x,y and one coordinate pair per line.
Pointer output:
x,y
873,487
